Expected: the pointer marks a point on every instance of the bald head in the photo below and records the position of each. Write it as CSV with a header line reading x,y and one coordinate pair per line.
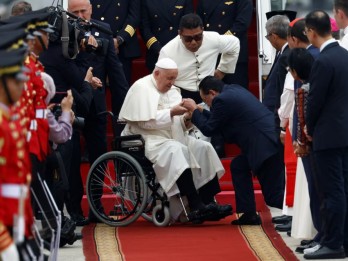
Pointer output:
x,y
80,8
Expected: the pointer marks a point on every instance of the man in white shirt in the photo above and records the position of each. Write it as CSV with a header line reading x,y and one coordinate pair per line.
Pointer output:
x,y
153,108
196,51
340,11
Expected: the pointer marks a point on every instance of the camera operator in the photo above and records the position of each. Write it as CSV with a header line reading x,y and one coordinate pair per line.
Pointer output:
x,y
105,66
68,75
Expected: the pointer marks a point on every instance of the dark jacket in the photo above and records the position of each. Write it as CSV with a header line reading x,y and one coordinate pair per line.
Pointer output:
x,y
67,75
242,120
105,65
123,16
327,110
228,17
160,23
275,82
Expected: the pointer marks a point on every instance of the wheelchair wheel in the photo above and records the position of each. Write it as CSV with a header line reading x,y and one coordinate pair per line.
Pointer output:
x,y
116,189
161,215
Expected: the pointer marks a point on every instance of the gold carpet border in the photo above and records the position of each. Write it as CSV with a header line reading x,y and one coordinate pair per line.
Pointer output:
x,y
260,243
107,243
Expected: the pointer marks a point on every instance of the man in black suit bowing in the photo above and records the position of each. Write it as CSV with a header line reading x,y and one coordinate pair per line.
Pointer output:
x,y
327,127
242,120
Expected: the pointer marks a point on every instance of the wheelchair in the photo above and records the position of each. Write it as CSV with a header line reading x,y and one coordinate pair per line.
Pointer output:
x,y
121,185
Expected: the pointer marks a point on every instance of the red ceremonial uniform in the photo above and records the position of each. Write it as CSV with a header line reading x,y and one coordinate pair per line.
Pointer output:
x,y
39,129
15,173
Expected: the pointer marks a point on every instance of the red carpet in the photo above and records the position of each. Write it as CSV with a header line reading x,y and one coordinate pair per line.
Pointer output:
x,y
209,241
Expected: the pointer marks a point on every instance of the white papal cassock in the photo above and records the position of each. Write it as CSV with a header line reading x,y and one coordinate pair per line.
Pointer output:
x,y
167,143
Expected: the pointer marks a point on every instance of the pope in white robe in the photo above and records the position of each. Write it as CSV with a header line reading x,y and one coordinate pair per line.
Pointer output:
x,y
153,109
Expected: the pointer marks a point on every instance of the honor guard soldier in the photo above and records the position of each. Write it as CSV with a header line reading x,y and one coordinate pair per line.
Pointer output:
x,y
230,17
16,217
160,24
123,16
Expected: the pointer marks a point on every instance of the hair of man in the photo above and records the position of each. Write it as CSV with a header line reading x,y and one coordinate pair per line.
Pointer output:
x,y
211,83
319,21
190,21
278,25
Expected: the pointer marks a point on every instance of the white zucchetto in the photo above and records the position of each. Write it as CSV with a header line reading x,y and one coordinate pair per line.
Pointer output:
x,y
166,63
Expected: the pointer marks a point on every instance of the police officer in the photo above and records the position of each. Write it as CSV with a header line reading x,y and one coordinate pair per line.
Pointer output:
x,y
230,17
123,17
160,24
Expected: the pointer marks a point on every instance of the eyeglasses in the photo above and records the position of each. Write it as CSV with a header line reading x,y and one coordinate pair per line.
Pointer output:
x,y
268,35
189,38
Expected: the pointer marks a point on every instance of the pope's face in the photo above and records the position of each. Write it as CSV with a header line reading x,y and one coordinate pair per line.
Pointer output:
x,y
80,8
192,38
165,79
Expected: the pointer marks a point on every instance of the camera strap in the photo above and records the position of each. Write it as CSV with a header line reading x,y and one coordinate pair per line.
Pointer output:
x,y
65,38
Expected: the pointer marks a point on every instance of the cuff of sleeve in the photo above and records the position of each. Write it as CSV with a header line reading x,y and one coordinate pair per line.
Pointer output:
x,y
66,116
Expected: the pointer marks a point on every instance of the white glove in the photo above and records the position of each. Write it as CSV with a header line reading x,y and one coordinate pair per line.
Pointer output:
x,y
10,253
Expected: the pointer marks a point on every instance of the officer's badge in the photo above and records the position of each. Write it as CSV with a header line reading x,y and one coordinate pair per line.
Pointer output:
x,y
179,7
229,3
2,142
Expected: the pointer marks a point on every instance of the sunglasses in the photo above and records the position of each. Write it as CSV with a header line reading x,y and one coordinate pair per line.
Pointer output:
x,y
189,38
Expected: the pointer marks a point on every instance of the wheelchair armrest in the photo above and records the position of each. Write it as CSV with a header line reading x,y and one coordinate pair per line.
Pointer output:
x,y
128,141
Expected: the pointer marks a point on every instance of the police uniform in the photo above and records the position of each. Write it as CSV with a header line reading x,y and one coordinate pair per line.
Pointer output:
x,y
123,17
160,24
230,17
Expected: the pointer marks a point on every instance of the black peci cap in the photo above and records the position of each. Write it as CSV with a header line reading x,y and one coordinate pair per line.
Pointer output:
x,y
290,14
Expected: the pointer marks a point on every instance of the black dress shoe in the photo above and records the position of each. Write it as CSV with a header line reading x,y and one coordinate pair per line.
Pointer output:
x,y
219,212
288,233
281,219
284,227
80,220
200,215
300,249
75,237
326,253
306,242
247,219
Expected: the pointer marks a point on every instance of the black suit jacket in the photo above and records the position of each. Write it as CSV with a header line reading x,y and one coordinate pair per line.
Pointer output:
x,y
242,120
67,75
275,82
105,66
160,23
123,16
327,109
228,17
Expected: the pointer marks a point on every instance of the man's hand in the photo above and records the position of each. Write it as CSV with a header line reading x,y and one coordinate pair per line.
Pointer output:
x,y
190,104
91,42
282,137
116,45
94,81
309,138
219,74
178,110
67,102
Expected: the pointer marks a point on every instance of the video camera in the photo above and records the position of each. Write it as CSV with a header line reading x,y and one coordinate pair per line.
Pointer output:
x,y
71,30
